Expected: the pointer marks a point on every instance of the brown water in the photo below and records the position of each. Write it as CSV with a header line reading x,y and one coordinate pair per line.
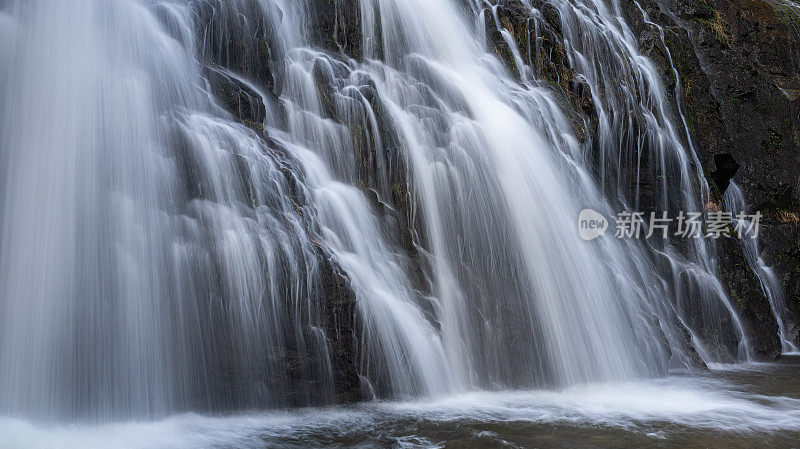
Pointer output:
x,y
748,406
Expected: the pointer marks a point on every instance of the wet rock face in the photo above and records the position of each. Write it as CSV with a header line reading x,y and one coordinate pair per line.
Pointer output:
x,y
739,73
238,39
733,87
541,45
240,100
746,293
240,68
339,25
342,330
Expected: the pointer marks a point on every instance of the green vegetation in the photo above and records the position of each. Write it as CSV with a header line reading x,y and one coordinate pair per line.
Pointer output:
x,y
716,25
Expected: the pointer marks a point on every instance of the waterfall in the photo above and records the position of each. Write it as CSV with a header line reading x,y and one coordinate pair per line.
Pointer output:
x,y
85,191
160,254
155,254
770,283
637,129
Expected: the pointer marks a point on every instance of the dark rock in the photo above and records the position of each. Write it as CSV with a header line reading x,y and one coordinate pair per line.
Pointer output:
x,y
738,65
241,101
339,25
725,168
239,40
343,331
747,295
541,45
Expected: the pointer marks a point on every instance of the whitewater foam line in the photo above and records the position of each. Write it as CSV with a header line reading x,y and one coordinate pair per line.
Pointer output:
x,y
650,408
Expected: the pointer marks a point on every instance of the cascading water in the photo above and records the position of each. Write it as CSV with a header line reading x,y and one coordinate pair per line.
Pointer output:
x,y
155,254
636,129
84,194
158,256
470,143
736,205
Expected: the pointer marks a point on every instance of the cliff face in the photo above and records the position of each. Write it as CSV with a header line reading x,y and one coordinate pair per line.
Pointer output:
x,y
739,63
229,60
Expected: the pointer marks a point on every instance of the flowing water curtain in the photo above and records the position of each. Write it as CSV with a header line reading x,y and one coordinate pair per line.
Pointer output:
x,y
482,162
770,283
82,310
156,255
639,145
179,257
670,159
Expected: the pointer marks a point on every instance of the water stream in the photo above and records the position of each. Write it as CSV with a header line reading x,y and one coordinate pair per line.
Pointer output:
x,y
159,256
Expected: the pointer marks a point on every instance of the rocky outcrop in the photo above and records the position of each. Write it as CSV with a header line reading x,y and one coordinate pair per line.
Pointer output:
x,y
342,330
737,63
239,64
745,293
739,71
541,46
339,25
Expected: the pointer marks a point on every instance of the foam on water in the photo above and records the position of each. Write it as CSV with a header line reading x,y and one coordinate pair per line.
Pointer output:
x,y
652,409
